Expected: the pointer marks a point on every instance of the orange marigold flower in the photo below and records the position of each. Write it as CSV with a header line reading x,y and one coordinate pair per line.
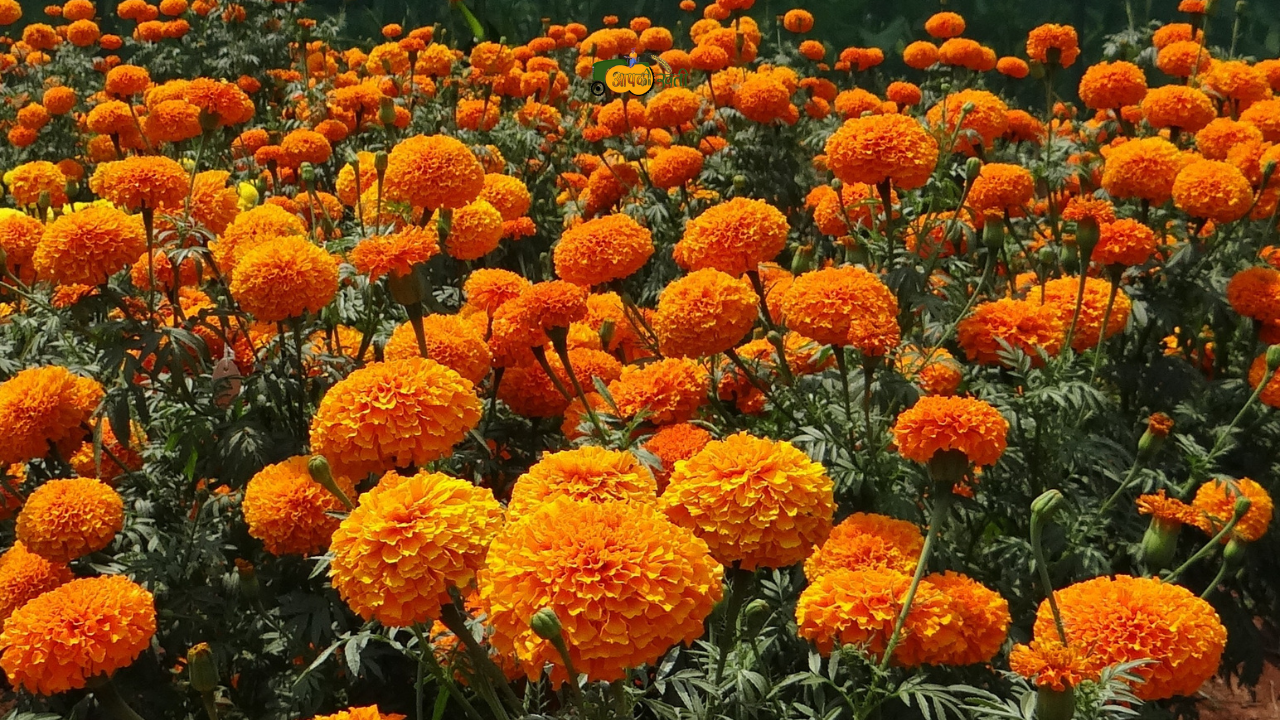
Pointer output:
x,y
1237,80
903,93
83,629
125,81
1111,85
1217,500
704,313
1216,139
1124,242
798,21
1178,106
843,306
1143,169
733,237
1213,190
1264,115
675,166
1123,619
1002,187
142,182
303,145
251,229
508,194
1081,208
289,511
213,204
25,575
19,236
284,278
862,207
452,340
1174,32
935,371
1053,45
673,443
756,502
1166,511
865,541
1051,664
396,254
59,100
369,712
880,148
89,246
220,98
601,250
585,474
984,619
1013,67
32,179
658,590
942,424
1255,293
1184,58
669,390
556,303
393,414
408,541
433,172
983,124
920,55
944,25
961,52
1019,324
1060,296
115,459
856,102
67,519
673,107
475,231
1271,393
489,288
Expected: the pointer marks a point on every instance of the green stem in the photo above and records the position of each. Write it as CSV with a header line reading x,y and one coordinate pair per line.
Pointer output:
x,y
1075,316
109,698
1222,573
1128,480
456,621
941,507
1042,567
562,351
1215,541
428,659
1218,445
210,705
1106,321
735,593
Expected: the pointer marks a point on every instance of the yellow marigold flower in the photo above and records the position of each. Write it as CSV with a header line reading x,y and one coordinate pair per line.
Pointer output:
x,y
756,502
88,246
396,254
1002,188
1060,298
1255,293
1112,85
865,541
733,237
1217,500
984,619
408,541
1051,664
393,414
1053,45
433,172
1124,618
879,148
934,370
657,589
214,204
30,180
601,250
1124,242
508,194
452,340
704,313
474,231
25,575
1143,169
669,390
1019,324
860,607
988,119
843,306
288,511
1213,190
144,181
941,424
67,519
283,278
489,288
585,474
43,406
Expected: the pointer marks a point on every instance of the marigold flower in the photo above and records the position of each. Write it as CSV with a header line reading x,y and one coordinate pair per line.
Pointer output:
x,y
880,148
1060,296
19,236
944,25
656,591
1255,293
1143,169
941,424
251,229
25,575
289,511
934,370
1002,188
115,459
862,208
452,340
1124,242
1111,85
675,166
920,55
1183,58
704,313
369,712
798,21
1051,664
283,278
733,237
489,288
556,303
1237,80
393,414
83,629
672,107
146,181
67,519
1124,618
984,619
962,52
124,81
1168,512
601,250
433,172
669,390
904,94
673,443
1013,67
1217,500
507,194
220,98
865,541
88,246
475,231
843,306
31,179
44,406
1216,139
1178,106
1257,370
1053,45
856,102
756,502
1019,324
987,121
585,474
1213,190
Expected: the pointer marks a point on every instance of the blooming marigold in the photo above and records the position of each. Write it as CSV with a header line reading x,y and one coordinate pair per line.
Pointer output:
x,y
508,194
1217,500
987,121
433,172
1002,187
798,21
1213,190
843,306
408,542
1124,242
962,52
879,148
43,406
145,181
1112,85
396,254
67,519
454,341
673,443
1216,140
944,25
213,204
25,575
733,237
124,81
283,278
675,166
669,390
1265,116
984,619
934,370
369,712
31,179
585,474
1237,80
601,250
474,231
83,629
657,588
1053,45
88,246
1051,664
867,541
289,511
1178,106
1143,169
1271,393
393,414
489,288
1019,324
920,55
1060,297
941,424
1255,293
704,313
756,502
1124,618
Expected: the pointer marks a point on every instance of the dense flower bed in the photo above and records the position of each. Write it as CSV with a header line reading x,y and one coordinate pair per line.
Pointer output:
x,y
436,379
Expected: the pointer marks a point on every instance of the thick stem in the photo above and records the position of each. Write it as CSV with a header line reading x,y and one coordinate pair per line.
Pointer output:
x,y
941,507
562,351
1106,321
109,698
427,659
1042,567
735,593
1215,541
456,621
1075,316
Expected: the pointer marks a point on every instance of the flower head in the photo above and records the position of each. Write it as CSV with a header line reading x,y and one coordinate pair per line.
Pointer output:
x,y
1217,500
940,424
585,474
733,237
25,575
1213,190
867,541
704,313
1053,45
843,306
874,149
933,370
1143,169
475,231
67,519
1112,85
984,619
975,117
433,172
604,249
1051,664
19,236
673,443
454,341
1255,293
1060,298
283,278
1002,187
144,181
289,511
396,254
1019,324
1124,242
45,406
31,179
88,246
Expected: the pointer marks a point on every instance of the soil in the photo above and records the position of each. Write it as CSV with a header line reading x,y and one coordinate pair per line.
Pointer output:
x,y
1221,701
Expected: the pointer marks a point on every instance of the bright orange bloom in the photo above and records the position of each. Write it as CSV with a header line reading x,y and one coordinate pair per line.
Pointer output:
x,y
1217,500
944,25
940,424
1053,45
30,180
704,313
433,172
1213,190
1124,242
1060,296
987,121
669,391
934,370
601,250
489,288
284,278
1002,187
289,511
585,474
1255,293
25,575
843,306
149,181
880,148
1020,324
1143,169
45,406
733,237
673,443
867,541
1051,664
1111,85
454,341
67,519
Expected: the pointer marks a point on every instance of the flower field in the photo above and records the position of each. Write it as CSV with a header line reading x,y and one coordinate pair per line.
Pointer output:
x,y
629,371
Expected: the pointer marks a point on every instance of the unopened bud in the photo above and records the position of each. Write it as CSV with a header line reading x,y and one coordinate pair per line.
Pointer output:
x,y
546,625
1159,543
802,260
308,174
387,111
1273,357
607,329
380,162
248,579
1044,507
208,120
201,668
739,181
972,168
993,234
320,471
1048,257
1055,704
754,616
1242,506
1233,554
1086,238
1268,171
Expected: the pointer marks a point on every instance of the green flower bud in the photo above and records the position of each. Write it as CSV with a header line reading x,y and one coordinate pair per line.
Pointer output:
x,y
607,330
308,174
972,168
993,235
387,111
546,625
1048,257
1044,507
248,579
739,181
1233,554
1242,506
1086,238
406,290
318,466
1055,705
754,616
201,668
1273,357
1159,543
802,260
380,162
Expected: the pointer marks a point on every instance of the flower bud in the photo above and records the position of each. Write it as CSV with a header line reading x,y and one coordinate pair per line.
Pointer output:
x,y
380,162
201,668
546,625
1055,704
802,261
754,616
967,108
1233,554
208,120
972,168
1273,357
993,235
1048,257
248,579
1268,170
1044,507
407,289
1242,506
318,466
739,181
387,111
1086,239
607,329
308,174
1159,543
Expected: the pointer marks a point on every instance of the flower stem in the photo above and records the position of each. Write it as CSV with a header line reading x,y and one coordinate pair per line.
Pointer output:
x,y
1106,321
427,660
456,621
109,698
1222,439
1204,551
941,507
1042,567
737,581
